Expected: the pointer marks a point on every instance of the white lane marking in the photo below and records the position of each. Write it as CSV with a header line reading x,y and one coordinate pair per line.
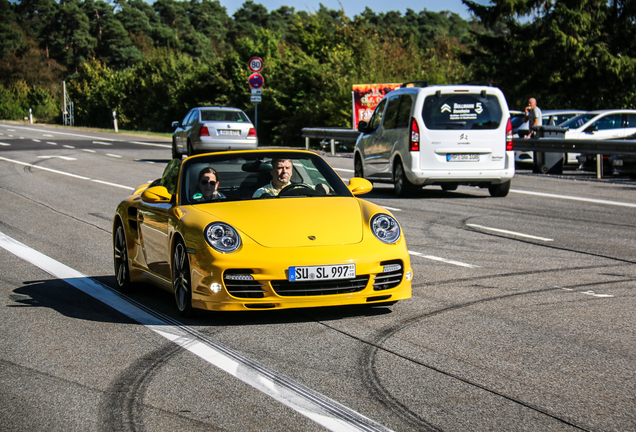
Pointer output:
x,y
573,198
344,169
317,407
47,135
51,142
68,146
514,233
590,293
89,151
35,140
10,136
444,260
392,208
113,155
4,144
593,294
102,143
58,157
94,138
112,184
65,173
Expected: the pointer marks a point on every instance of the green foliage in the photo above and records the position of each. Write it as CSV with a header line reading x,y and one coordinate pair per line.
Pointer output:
x,y
151,63
572,55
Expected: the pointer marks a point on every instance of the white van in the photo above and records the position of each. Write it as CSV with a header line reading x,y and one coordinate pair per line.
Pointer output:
x,y
447,135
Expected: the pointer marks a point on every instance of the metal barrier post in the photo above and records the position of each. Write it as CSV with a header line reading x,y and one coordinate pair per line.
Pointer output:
x,y
599,166
333,146
306,143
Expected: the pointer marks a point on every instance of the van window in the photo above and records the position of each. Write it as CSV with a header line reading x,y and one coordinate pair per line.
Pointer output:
x,y
377,115
391,112
398,112
461,111
404,112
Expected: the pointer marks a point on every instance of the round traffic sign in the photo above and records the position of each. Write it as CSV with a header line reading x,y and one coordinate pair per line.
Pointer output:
x,y
256,81
256,64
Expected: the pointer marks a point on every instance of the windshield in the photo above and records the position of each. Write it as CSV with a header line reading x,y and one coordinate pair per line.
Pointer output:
x,y
578,121
258,175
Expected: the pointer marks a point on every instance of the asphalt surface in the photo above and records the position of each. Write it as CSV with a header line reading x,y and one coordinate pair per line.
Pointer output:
x,y
521,317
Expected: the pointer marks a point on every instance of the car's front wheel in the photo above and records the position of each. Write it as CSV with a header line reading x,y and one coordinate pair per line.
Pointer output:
x,y
403,187
181,279
120,259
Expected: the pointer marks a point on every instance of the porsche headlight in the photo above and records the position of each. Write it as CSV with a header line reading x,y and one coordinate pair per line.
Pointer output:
x,y
385,228
222,237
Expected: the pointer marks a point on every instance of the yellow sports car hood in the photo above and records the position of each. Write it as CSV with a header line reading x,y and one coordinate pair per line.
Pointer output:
x,y
291,222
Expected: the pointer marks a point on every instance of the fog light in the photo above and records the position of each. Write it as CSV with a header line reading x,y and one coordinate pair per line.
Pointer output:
x,y
215,287
409,275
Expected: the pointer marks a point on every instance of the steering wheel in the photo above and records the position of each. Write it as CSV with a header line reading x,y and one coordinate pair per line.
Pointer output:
x,y
297,189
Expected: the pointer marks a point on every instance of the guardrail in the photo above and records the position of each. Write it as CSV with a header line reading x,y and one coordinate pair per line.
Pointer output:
x,y
541,145
332,134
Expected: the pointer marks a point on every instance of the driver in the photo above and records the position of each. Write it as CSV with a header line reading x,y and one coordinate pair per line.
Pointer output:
x,y
281,176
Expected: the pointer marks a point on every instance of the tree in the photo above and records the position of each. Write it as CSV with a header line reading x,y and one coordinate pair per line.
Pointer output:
x,y
575,54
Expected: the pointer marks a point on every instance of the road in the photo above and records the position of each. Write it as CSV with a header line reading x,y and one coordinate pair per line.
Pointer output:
x,y
521,317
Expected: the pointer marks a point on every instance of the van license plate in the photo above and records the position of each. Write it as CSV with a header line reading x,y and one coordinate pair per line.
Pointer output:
x,y
462,157
327,272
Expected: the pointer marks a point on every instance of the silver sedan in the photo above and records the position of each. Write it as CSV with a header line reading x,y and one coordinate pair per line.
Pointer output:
x,y
208,129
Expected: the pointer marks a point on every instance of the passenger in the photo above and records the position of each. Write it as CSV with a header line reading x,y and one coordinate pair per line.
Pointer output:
x,y
281,176
208,184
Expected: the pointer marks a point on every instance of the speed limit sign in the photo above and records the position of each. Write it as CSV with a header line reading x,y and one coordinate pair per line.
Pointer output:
x,y
256,64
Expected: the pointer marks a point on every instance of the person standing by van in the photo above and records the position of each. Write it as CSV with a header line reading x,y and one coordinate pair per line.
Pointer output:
x,y
533,117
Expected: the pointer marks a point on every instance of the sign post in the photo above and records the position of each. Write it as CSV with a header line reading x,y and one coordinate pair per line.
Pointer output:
x,y
256,82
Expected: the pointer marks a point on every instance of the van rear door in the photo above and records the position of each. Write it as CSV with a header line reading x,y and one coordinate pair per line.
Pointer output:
x,y
465,130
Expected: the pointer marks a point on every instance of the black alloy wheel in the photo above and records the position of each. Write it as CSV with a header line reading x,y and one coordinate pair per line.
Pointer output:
x,y
181,279
358,168
120,258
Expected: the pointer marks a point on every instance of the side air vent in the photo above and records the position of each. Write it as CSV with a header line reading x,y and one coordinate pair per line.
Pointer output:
x,y
390,277
240,283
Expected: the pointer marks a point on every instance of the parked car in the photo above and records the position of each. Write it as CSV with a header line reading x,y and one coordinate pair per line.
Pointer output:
x,y
207,129
600,125
238,250
441,135
623,164
549,118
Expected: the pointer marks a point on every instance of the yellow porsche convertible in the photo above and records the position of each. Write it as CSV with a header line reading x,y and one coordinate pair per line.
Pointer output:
x,y
263,229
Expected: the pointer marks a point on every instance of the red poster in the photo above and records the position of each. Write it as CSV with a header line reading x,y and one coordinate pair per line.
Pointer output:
x,y
366,97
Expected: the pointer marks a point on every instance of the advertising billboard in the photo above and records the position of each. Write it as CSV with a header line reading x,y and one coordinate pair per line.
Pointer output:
x,y
366,97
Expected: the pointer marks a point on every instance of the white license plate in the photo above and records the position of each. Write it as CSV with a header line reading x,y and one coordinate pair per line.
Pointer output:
x,y
229,132
617,162
326,272
462,157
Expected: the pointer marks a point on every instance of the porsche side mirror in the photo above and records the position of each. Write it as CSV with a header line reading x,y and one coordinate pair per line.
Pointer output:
x,y
156,194
359,186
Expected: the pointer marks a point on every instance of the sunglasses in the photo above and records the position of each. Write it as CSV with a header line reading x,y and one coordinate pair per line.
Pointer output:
x,y
206,181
